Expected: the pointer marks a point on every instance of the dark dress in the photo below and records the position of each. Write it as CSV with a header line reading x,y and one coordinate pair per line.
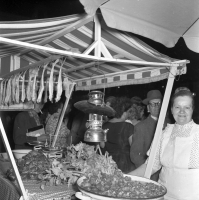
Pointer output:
x,y
117,144
23,121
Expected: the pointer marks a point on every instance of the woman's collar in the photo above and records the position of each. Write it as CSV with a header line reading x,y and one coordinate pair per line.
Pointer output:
x,y
184,125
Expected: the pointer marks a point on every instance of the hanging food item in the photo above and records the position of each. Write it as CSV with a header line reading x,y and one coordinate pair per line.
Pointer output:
x,y
34,88
46,91
59,86
41,89
17,88
1,91
13,89
30,83
8,92
51,81
23,89
4,92
67,86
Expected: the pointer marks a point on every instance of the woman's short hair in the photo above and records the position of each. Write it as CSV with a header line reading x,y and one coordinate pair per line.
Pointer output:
x,y
110,99
181,92
133,113
140,110
121,105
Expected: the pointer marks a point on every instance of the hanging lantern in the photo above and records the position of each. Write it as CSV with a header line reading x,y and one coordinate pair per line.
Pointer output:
x,y
96,108
96,98
95,133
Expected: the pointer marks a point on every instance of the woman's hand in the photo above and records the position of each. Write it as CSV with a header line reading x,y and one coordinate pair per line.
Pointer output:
x,y
139,171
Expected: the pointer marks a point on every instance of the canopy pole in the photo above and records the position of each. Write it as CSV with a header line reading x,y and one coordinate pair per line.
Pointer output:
x,y
97,36
62,116
19,180
158,131
88,57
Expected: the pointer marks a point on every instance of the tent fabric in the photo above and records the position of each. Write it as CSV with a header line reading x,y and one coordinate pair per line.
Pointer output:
x,y
130,77
76,33
160,20
34,31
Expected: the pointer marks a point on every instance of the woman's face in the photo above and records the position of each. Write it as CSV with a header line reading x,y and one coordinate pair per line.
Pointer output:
x,y
182,110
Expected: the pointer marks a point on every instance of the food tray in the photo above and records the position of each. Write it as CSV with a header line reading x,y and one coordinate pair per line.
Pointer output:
x,y
103,197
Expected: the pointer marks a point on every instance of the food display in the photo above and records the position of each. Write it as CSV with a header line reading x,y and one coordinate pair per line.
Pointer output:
x,y
33,164
121,187
96,173
77,161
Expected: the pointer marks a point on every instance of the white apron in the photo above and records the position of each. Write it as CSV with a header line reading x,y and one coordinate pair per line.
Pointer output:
x,y
181,183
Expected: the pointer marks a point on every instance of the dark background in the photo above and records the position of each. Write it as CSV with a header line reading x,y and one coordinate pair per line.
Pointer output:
x,y
15,10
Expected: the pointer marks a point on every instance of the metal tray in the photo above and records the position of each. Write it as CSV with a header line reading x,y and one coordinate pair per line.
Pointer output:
x,y
103,197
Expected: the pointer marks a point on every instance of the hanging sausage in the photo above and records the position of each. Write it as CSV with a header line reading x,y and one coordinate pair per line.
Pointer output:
x,y
41,89
8,92
51,81
4,91
13,89
59,86
23,89
46,91
17,88
1,91
34,87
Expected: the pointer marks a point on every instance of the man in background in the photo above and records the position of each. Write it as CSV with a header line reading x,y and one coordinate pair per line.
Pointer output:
x,y
144,130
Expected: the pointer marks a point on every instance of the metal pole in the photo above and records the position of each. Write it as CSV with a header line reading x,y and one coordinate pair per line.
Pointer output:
x,y
83,56
12,160
158,132
62,116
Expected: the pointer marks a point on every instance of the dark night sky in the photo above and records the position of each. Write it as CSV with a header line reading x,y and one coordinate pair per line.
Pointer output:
x,y
11,10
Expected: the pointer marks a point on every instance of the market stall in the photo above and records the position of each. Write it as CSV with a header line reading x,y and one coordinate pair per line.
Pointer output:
x,y
78,52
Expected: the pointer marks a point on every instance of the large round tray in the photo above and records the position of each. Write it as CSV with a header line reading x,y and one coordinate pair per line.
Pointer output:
x,y
134,178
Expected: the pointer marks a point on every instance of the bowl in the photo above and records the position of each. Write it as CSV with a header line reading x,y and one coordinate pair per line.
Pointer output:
x,y
19,153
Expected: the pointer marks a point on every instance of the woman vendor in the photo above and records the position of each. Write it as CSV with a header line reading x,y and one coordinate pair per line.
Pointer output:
x,y
178,152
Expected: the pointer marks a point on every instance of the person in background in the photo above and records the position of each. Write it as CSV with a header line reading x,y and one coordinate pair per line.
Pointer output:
x,y
109,101
52,122
141,111
133,116
24,121
119,131
78,126
145,130
136,101
178,151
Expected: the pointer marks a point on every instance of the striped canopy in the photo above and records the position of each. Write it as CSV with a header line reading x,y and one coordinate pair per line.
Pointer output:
x,y
124,58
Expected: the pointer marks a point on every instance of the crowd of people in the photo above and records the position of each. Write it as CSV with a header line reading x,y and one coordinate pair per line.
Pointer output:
x,y
130,137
